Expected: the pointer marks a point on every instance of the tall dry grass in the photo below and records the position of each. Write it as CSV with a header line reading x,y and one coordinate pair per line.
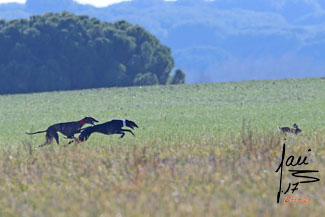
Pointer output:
x,y
234,176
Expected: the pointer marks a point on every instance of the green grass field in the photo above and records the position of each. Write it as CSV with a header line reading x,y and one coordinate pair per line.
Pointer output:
x,y
200,150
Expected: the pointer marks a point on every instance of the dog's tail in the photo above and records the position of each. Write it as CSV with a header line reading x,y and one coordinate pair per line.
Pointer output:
x,y
131,124
35,132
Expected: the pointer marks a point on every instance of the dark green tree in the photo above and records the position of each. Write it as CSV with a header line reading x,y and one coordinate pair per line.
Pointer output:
x,y
62,51
145,79
178,78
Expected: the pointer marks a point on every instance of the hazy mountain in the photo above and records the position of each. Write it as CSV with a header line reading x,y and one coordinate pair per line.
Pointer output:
x,y
220,40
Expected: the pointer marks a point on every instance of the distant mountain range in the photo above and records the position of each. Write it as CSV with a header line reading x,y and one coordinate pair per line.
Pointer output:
x,y
220,40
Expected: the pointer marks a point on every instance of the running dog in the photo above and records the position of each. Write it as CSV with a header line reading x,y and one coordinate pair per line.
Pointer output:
x,y
68,129
295,130
108,128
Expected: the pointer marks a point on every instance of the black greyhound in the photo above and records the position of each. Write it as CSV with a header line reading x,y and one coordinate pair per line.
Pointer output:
x,y
68,129
108,128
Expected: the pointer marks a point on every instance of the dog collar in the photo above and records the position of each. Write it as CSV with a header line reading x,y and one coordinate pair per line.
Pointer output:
x,y
82,122
124,123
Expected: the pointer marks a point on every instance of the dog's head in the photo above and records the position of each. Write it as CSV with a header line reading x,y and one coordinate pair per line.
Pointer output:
x,y
89,120
131,124
298,130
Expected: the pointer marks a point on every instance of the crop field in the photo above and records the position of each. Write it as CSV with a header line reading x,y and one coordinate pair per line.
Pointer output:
x,y
200,150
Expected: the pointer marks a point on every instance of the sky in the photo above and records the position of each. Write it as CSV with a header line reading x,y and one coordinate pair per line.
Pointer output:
x,y
7,1
97,3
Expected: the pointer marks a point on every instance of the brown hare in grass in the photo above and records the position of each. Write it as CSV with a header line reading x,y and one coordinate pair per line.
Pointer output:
x,y
295,130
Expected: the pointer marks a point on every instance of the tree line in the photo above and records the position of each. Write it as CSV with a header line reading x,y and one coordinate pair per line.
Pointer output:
x,y
63,51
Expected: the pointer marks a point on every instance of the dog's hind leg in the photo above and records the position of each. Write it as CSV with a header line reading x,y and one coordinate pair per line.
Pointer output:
x,y
47,141
56,137
124,130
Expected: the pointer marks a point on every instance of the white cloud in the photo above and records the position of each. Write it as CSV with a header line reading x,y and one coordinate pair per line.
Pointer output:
x,y
104,3
97,3
100,3
10,1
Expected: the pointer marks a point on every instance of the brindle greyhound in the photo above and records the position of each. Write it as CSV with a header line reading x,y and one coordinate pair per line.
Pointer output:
x,y
68,129
295,130
108,128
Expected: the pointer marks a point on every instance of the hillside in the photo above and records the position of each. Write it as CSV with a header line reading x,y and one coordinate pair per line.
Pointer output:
x,y
220,40
217,109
